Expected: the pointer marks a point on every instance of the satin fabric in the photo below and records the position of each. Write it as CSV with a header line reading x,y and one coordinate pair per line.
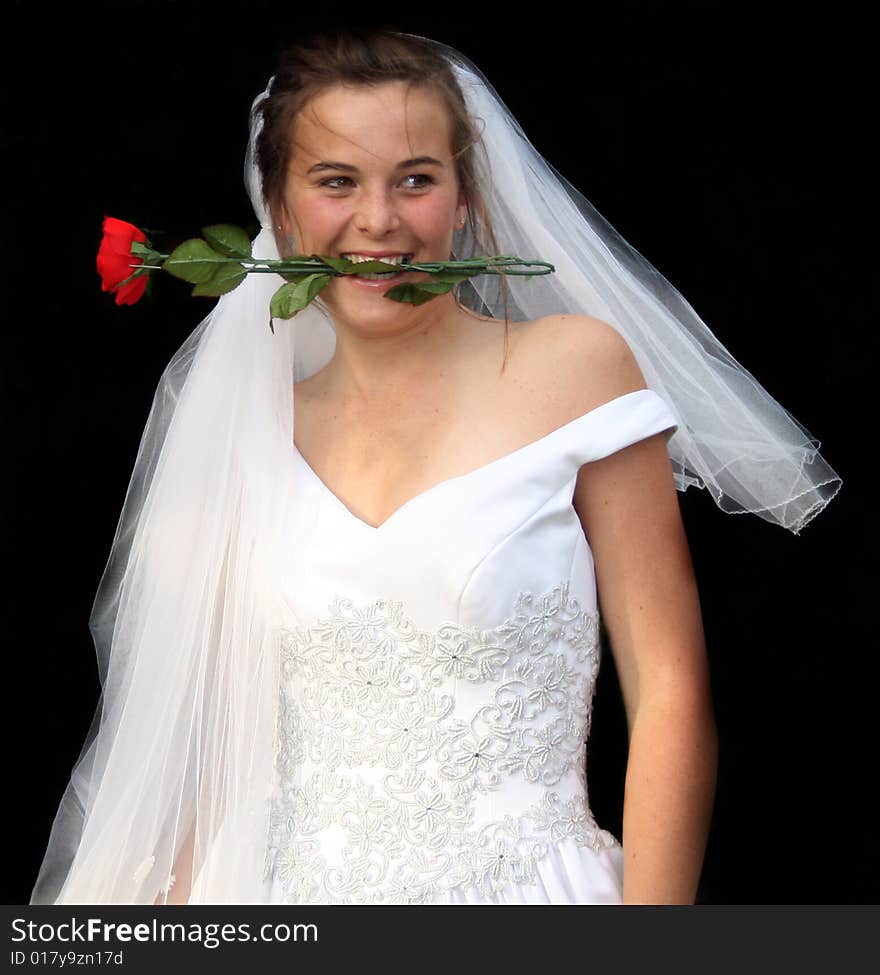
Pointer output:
x,y
493,564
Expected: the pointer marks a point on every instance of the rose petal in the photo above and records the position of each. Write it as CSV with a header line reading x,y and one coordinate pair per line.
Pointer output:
x,y
114,261
132,292
122,228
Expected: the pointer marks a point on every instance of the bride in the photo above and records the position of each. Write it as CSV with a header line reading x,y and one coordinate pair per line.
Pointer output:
x,y
380,144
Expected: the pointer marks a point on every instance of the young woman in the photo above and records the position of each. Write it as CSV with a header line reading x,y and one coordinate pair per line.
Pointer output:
x,y
351,658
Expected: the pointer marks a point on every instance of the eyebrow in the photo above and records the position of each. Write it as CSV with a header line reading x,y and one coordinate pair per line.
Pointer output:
x,y
346,168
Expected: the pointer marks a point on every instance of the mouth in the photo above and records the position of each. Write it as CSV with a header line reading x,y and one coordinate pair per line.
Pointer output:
x,y
379,275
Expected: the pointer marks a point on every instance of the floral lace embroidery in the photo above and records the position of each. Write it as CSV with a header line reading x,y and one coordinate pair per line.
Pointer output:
x,y
364,687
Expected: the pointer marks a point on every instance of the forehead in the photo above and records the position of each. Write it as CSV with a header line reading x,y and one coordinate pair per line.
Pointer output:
x,y
382,123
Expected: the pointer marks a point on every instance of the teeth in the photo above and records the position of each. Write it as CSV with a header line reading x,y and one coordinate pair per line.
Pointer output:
x,y
360,258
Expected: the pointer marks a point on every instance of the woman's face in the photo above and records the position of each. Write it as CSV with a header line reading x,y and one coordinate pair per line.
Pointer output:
x,y
371,173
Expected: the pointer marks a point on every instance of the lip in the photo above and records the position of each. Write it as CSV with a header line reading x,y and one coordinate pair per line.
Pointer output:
x,y
379,285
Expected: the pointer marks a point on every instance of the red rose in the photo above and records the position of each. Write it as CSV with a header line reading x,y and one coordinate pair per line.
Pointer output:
x,y
115,260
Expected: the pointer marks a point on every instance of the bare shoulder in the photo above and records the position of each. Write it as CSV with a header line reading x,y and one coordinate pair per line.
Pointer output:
x,y
584,360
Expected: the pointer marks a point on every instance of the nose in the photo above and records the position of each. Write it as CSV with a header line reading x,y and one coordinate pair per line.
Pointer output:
x,y
376,213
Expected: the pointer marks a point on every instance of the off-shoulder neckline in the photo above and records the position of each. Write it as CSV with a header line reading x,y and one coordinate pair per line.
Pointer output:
x,y
509,457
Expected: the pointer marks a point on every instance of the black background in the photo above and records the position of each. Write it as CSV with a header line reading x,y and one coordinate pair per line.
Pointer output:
x,y
726,143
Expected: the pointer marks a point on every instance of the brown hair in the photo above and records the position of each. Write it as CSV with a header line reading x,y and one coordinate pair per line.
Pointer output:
x,y
370,56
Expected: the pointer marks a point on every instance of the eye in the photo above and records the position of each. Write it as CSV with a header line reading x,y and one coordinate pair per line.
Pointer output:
x,y
423,176
332,180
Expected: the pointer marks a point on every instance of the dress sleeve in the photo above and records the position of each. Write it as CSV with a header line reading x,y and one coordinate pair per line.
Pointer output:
x,y
625,420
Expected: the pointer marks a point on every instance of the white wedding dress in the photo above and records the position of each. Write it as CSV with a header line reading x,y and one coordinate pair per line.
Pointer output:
x,y
437,677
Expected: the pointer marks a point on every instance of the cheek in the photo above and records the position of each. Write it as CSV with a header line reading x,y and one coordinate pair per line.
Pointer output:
x,y
433,214
316,216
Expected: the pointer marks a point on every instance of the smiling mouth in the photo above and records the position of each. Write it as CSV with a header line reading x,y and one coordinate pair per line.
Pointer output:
x,y
388,259
393,259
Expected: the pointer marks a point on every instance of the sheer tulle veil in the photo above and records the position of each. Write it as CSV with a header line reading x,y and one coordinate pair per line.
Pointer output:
x,y
181,750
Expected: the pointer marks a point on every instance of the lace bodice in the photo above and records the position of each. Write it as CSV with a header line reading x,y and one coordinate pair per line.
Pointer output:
x,y
437,677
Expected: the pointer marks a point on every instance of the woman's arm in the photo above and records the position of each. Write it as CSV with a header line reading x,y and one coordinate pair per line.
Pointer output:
x,y
650,605
648,597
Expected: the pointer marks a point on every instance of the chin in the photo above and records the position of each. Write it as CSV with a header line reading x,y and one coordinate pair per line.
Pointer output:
x,y
368,308
354,296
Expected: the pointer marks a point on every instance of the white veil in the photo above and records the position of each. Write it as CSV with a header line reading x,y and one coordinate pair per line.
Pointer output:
x,y
180,753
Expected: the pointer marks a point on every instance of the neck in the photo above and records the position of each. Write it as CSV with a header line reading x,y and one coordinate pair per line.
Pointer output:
x,y
382,367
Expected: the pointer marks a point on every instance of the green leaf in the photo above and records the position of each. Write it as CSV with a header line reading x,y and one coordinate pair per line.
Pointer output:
x,y
418,294
453,276
342,264
228,239
292,298
297,275
141,250
226,279
433,287
362,267
193,261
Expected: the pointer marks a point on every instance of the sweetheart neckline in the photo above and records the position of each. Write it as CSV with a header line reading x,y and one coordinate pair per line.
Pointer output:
x,y
432,489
